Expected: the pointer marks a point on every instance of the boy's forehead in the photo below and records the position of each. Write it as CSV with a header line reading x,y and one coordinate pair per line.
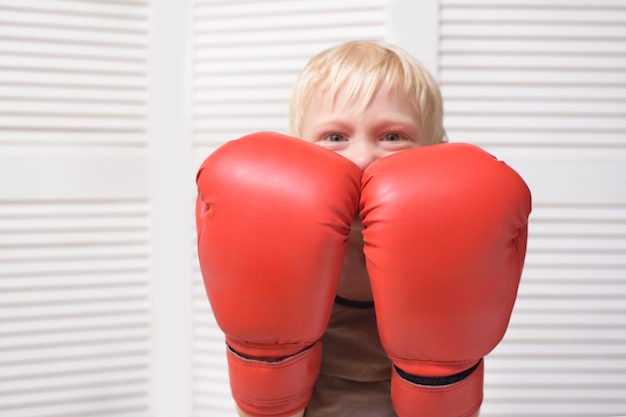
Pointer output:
x,y
343,98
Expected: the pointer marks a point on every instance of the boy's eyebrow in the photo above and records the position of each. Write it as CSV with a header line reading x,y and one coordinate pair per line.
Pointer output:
x,y
339,119
331,122
399,121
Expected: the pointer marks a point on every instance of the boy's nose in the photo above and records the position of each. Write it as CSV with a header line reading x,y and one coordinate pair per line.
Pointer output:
x,y
363,154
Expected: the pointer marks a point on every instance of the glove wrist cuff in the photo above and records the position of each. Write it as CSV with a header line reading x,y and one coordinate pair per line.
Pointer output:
x,y
459,399
274,388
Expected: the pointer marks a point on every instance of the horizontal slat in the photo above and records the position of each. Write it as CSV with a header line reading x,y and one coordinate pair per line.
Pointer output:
x,y
280,7
71,353
88,307
84,123
113,251
517,92
74,52
567,274
516,350
31,138
274,22
551,303
595,237
273,96
546,13
245,81
89,335
556,319
206,65
536,122
112,405
534,30
20,109
572,290
262,122
559,368
136,291
516,76
88,242
66,34
537,4
49,383
48,93
544,108
79,12
23,75
579,47
69,64
499,138
70,365
215,111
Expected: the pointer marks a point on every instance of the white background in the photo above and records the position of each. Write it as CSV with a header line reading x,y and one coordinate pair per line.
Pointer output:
x,y
108,106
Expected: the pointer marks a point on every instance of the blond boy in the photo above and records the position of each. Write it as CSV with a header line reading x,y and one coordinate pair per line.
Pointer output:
x,y
297,245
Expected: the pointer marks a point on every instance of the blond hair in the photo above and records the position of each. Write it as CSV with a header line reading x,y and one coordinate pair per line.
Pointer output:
x,y
360,68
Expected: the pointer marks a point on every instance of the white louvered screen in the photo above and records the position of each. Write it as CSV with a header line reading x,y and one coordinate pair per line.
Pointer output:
x,y
542,84
74,209
246,56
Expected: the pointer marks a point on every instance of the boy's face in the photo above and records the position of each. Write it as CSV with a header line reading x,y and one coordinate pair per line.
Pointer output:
x,y
386,126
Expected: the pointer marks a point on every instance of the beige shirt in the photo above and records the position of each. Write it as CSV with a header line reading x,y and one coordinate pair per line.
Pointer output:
x,y
355,376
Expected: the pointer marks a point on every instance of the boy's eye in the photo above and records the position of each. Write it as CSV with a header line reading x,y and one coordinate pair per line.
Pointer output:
x,y
334,137
392,137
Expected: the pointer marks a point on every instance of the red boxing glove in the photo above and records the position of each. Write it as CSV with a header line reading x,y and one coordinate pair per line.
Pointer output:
x,y
445,230
273,217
